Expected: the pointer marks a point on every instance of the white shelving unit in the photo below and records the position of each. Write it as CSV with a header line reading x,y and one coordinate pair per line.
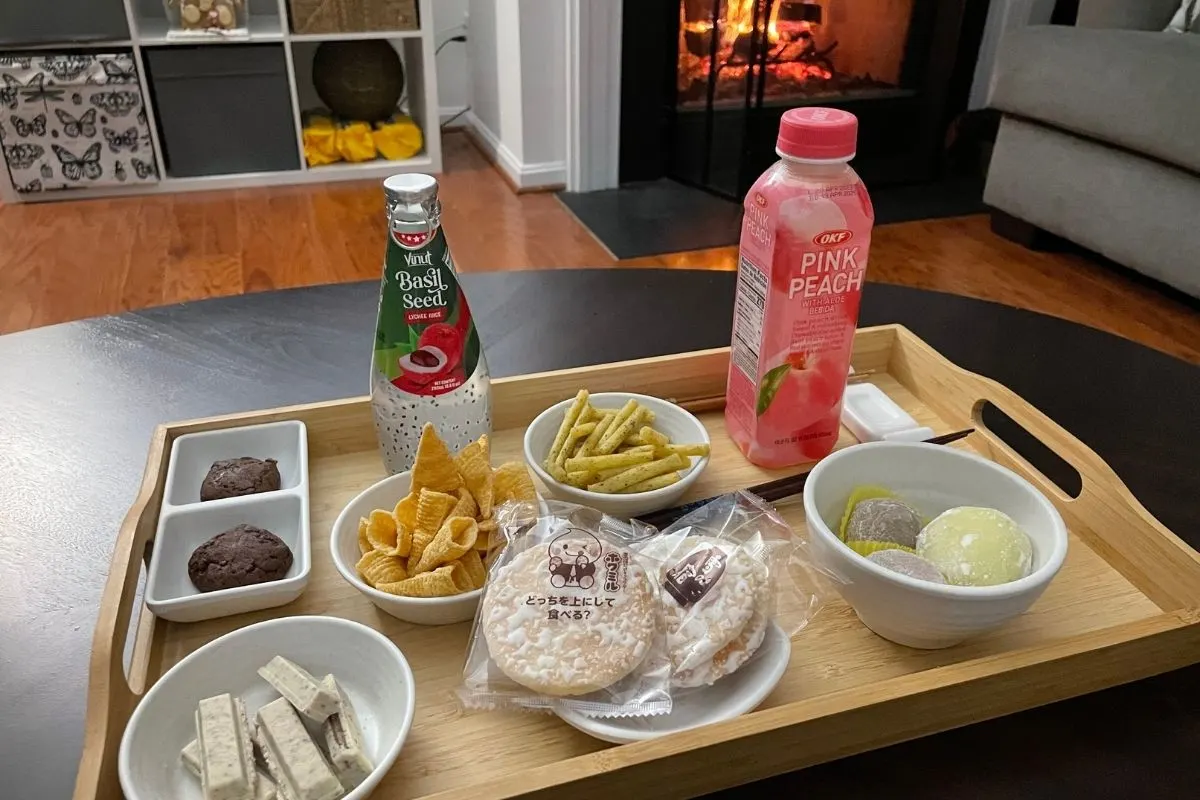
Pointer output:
x,y
269,25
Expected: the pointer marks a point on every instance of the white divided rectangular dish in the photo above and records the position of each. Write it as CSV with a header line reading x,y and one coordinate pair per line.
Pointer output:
x,y
184,523
193,453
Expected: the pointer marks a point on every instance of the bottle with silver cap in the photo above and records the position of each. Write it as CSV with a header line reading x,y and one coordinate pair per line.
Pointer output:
x,y
429,364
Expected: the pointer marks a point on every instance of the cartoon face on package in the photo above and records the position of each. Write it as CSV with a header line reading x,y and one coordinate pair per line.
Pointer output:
x,y
573,556
569,612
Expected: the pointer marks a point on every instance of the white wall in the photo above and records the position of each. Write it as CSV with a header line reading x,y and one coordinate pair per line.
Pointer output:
x,y
543,81
453,75
517,55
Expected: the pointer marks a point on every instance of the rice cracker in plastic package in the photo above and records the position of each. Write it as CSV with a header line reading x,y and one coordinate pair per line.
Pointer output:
x,y
726,573
568,619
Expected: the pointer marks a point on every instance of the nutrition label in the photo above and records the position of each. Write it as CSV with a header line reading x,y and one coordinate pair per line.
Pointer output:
x,y
748,312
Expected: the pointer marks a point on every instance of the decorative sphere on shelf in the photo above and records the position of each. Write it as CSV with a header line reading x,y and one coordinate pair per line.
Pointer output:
x,y
359,80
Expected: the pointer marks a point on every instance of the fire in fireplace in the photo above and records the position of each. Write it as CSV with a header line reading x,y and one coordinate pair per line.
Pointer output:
x,y
704,83
807,49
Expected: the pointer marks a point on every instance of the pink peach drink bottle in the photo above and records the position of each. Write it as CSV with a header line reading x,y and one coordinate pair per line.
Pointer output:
x,y
803,259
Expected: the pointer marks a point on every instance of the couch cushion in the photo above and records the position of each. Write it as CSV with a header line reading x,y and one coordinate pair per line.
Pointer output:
x,y
1136,89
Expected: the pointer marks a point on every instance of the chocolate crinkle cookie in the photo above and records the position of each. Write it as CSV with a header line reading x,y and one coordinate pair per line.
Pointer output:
x,y
240,556
235,477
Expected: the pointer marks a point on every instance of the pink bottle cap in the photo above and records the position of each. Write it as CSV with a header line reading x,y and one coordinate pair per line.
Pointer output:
x,y
817,133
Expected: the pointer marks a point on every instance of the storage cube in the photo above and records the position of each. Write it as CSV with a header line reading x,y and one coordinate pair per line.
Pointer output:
x,y
350,16
73,121
223,109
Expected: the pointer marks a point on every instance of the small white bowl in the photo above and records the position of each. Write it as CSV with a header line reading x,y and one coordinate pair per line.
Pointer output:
x,y
372,671
170,593
193,454
730,697
681,426
932,478
343,545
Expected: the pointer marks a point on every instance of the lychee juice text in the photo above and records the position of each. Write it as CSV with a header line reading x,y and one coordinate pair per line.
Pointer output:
x,y
805,237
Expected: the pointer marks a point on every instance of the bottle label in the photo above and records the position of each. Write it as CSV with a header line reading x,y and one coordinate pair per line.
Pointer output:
x,y
807,241
425,338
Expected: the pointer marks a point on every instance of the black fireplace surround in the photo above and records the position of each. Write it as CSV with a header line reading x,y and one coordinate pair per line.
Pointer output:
x,y
718,132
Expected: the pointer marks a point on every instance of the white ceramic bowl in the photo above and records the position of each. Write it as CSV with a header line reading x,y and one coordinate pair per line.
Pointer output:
x,y
932,478
343,545
681,426
730,697
371,670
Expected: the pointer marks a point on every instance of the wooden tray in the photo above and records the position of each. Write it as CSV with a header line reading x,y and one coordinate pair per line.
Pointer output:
x,y
1123,607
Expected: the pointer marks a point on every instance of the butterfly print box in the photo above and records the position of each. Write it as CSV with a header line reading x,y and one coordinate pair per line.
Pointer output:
x,y
73,121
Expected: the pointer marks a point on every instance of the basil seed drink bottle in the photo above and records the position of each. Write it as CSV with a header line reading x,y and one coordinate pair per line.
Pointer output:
x,y
428,364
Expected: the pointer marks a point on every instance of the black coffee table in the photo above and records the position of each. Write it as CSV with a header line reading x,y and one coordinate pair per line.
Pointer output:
x,y
78,403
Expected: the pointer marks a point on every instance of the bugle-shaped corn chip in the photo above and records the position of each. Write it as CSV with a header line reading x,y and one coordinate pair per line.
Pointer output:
x,y
640,473
466,505
432,510
569,420
476,572
438,583
364,544
406,510
513,482
434,467
379,567
473,464
381,530
455,538
650,484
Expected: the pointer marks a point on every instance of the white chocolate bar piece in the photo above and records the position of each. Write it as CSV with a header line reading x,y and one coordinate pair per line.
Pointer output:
x,y
226,758
293,758
301,689
264,788
344,740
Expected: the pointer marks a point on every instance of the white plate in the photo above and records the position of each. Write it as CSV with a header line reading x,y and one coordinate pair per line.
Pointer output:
x,y
372,671
730,697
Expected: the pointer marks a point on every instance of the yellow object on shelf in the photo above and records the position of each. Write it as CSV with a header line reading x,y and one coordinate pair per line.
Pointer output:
x,y
398,138
354,141
319,138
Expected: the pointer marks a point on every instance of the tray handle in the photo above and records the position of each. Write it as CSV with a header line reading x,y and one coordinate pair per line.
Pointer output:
x,y
111,699
1105,513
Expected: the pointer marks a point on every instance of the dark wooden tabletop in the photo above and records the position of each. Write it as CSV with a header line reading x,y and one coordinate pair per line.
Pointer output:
x,y
78,403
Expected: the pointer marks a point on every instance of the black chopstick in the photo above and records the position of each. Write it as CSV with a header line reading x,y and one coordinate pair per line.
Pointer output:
x,y
771,490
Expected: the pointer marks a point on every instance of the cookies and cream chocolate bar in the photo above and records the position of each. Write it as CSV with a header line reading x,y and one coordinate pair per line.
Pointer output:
x,y
226,758
301,689
344,740
264,787
295,762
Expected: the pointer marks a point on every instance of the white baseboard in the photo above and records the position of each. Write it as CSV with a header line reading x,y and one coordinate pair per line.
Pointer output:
x,y
522,175
452,112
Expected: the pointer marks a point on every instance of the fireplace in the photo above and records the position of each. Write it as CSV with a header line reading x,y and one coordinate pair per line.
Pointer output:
x,y
704,83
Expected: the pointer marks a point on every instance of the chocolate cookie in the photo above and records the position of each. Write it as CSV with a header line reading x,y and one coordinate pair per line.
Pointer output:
x,y
240,556
235,477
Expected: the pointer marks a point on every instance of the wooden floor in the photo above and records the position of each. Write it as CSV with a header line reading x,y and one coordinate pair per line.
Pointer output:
x,y
66,261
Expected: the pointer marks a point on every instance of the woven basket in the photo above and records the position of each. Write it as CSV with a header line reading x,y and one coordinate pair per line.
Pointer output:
x,y
352,16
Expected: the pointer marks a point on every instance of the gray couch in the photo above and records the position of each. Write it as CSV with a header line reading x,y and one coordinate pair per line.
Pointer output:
x,y
1100,139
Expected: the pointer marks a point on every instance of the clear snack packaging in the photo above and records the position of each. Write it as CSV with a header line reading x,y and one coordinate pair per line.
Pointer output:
x,y
569,618
726,572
